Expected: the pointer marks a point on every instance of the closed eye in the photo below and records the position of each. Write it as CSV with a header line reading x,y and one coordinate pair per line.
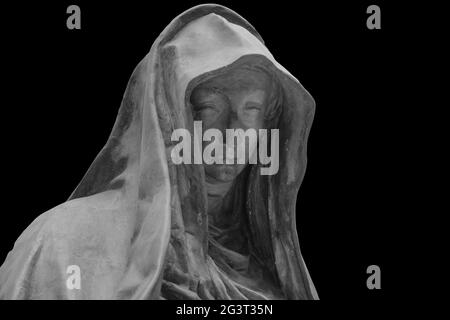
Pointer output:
x,y
203,107
206,112
207,108
252,109
252,106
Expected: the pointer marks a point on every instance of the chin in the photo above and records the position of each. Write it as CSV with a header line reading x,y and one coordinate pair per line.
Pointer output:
x,y
223,172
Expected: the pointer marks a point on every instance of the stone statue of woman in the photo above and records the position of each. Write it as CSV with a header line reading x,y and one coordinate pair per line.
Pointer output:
x,y
139,226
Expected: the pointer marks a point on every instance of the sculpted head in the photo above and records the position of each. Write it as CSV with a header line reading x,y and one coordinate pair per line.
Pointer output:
x,y
238,99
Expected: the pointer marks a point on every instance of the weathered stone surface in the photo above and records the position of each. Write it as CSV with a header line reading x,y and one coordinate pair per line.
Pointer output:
x,y
140,227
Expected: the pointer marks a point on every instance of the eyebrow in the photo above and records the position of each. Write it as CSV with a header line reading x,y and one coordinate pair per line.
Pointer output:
x,y
211,99
213,91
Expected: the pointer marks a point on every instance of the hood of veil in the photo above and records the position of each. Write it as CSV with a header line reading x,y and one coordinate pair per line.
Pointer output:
x,y
166,217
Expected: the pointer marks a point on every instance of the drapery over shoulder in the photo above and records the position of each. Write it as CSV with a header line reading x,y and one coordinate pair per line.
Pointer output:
x,y
137,226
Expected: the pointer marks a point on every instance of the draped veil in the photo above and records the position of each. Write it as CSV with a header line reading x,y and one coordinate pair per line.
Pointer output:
x,y
137,225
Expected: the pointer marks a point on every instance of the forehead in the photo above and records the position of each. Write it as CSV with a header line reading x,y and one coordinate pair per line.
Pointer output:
x,y
239,80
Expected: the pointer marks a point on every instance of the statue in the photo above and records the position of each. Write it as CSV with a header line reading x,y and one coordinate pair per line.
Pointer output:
x,y
139,226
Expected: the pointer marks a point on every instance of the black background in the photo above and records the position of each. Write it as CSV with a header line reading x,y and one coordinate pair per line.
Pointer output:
x,y
65,88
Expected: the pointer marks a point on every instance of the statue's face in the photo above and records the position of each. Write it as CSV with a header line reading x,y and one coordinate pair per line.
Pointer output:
x,y
235,100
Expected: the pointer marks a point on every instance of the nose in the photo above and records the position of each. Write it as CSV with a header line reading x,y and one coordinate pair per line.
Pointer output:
x,y
233,145
228,120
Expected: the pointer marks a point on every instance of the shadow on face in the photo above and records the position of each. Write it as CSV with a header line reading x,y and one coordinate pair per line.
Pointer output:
x,y
237,99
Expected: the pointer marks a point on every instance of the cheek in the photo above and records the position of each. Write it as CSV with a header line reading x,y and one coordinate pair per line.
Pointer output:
x,y
252,119
215,121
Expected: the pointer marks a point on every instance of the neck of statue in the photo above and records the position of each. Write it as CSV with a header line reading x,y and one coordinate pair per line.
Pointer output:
x,y
217,191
